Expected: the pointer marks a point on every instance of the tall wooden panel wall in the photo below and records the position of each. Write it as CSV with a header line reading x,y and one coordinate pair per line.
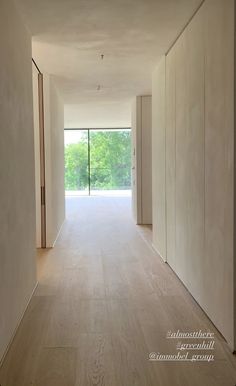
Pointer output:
x,y
199,137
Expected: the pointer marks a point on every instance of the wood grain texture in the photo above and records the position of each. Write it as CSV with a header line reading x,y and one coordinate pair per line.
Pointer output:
x,y
73,334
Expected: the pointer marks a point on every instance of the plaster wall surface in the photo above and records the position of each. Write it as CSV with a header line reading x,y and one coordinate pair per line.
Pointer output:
x,y
54,158
17,175
142,159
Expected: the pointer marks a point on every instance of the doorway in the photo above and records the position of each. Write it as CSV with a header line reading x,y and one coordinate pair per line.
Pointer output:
x,y
98,162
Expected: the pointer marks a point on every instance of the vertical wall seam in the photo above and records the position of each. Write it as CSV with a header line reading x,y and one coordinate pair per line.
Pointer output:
x,y
165,101
175,151
204,136
234,193
141,158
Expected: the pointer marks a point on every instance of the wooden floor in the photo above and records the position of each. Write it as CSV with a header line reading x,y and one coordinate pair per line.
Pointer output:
x,y
105,301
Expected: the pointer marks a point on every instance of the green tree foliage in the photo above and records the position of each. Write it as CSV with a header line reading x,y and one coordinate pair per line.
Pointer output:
x,y
76,165
110,161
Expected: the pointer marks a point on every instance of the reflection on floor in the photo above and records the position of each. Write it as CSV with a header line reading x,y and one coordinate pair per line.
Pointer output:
x,y
104,302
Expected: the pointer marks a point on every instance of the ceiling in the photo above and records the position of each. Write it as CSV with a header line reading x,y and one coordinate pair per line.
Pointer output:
x,y
69,37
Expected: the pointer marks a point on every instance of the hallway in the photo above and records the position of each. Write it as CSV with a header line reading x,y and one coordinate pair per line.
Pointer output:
x,y
105,301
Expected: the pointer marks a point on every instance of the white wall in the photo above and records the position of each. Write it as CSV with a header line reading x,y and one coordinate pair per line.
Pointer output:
x,y
159,158
54,158
104,114
142,159
199,160
17,193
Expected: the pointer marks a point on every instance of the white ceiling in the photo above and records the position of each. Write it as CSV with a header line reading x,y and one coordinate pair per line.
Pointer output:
x,y
69,37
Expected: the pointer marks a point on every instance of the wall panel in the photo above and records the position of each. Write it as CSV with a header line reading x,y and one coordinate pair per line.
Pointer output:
x,y
199,160
142,159
159,159
182,132
54,155
170,157
146,123
194,259
219,134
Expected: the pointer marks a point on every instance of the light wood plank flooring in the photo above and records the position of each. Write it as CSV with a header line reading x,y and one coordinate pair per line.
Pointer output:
x,y
105,300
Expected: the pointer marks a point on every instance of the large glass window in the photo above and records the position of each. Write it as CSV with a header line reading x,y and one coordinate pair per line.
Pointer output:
x,y
98,161
110,160
76,162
